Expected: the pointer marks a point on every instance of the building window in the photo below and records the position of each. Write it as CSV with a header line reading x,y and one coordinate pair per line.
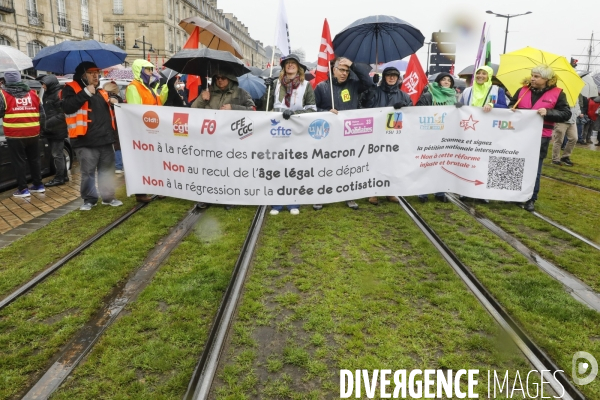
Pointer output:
x,y
4,41
118,7
169,11
177,11
170,39
85,19
33,48
119,32
177,41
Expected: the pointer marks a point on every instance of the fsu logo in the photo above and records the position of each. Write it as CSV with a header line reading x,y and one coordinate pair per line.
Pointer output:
x,y
150,119
180,124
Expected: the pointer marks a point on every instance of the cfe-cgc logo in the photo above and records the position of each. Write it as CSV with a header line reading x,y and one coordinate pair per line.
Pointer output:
x,y
432,123
278,131
243,127
318,129
151,120
503,125
393,123
180,124
358,126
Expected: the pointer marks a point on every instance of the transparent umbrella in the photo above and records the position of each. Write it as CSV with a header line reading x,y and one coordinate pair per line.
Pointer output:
x,y
11,58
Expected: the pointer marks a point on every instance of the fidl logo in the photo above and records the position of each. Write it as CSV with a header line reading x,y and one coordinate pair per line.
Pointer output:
x,y
503,125
394,121
318,129
180,124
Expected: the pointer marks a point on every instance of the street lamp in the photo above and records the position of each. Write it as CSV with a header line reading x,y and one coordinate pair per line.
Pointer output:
x,y
144,43
508,17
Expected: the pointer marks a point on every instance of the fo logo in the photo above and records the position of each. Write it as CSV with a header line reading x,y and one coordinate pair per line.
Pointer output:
x,y
150,119
318,129
180,124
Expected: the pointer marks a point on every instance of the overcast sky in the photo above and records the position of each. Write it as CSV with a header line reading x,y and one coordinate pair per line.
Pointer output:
x,y
552,26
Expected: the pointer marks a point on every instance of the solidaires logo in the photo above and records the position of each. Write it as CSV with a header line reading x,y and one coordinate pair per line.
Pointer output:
x,y
318,129
151,119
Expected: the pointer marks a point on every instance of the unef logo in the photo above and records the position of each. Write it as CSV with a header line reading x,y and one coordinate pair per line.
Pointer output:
x,y
318,129
180,124
393,122
433,123
151,119
24,101
503,125
209,126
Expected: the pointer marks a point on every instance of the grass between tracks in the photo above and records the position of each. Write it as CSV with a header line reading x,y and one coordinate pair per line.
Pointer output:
x,y
34,327
341,289
585,161
151,351
35,252
556,322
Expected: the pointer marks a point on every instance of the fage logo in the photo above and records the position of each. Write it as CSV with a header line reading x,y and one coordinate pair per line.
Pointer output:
x,y
180,124
151,119
318,129
278,131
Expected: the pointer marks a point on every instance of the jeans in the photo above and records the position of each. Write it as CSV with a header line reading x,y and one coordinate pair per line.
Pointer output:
x,y
102,160
438,194
580,132
586,135
118,160
58,158
290,207
25,152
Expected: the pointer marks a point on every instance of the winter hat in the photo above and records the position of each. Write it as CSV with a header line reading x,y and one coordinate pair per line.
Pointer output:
x,y
442,75
295,58
12,76
391,71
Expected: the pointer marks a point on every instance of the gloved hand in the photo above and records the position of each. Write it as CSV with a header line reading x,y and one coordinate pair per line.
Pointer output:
x,y
376,79
287,114
398,106
269,82
458,104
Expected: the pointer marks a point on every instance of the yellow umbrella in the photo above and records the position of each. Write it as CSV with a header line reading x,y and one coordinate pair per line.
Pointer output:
x,y
517,65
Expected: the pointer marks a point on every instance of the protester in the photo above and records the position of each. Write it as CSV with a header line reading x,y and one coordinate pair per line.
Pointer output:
x,y
143,90
568,129
292,94
114,93
440,92
91,126
175,97
224,94
349,82
592,113
483,93
55,128
540,93
387,94
22,131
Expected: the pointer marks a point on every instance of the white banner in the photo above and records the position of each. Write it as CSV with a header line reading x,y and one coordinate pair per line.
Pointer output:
x,y
254,158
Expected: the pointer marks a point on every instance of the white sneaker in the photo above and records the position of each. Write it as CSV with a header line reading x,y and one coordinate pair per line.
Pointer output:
x,y
86,206
352,204
114,203
295,211
274,212
118,171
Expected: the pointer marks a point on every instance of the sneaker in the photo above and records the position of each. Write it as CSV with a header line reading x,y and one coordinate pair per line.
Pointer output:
x,y
374,200
114,203
442,198
317,207
22,193
54,182
202,205
86,206
37,189
393,199
274,211
423,199
142,198
352,204
567,161
295,211
556,163
118,171
529,205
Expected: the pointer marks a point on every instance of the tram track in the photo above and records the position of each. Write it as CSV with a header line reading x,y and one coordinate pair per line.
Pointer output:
x,y
573,172
538,358
571,183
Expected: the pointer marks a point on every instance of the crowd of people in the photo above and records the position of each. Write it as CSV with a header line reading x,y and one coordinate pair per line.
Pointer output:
x,y
84,112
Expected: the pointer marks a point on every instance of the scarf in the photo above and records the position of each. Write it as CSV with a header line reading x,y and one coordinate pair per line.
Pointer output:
x,y
479,92
441,95
17,86
290,85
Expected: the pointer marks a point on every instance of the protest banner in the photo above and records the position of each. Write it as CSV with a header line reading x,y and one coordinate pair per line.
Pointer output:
x,y
254,158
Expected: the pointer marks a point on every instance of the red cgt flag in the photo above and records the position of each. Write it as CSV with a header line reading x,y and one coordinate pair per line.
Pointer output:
x,y
415,79
193,81
325,55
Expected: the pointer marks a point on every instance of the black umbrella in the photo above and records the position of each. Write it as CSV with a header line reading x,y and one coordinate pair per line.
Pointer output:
x,y
206,62
469,70
378,38
168,73
255,71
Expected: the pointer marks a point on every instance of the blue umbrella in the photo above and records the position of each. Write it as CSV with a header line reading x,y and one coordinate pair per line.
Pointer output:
x,y
378,38
66,56
400,65
253,85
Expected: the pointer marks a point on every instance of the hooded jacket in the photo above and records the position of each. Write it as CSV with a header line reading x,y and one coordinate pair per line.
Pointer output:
x,y
55,127
234,95
100,131
496,100
426,98
385,95
358,81
133,96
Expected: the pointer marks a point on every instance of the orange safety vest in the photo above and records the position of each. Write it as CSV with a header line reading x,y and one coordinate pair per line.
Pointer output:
x,y
148,96
22,115
77,122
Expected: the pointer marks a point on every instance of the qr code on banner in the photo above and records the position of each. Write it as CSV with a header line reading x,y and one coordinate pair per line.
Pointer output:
x,y
505,173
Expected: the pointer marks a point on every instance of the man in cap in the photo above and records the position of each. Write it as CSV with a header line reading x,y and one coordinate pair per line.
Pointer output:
x,y
20,108
91,126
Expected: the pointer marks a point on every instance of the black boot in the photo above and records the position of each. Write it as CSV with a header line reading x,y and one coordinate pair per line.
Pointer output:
x,y
54,182
529,205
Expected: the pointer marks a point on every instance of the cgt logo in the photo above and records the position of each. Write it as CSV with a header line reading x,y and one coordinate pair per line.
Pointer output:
x,y
278,131
208,125
318,129
24,101
151,119
243,127
503,125
180,124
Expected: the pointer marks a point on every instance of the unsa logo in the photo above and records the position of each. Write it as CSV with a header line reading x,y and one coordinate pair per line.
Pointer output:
x,y
151,119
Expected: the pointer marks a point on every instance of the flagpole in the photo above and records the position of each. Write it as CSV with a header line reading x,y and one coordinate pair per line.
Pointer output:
x,y
270,75
331,84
